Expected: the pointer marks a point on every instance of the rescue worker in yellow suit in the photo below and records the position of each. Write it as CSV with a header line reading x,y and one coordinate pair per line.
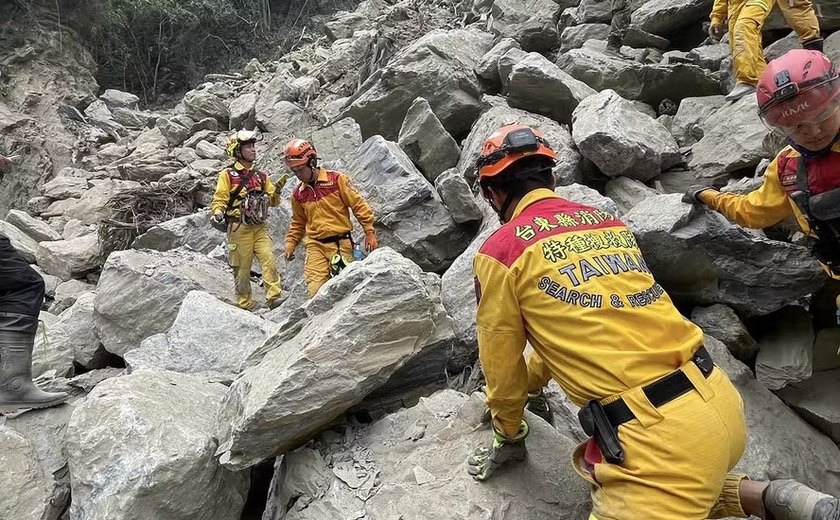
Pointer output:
x,y
320,210
667,425
240,205
799,96
746,19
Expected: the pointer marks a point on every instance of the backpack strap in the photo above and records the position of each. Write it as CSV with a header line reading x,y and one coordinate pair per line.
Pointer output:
x,y
235,193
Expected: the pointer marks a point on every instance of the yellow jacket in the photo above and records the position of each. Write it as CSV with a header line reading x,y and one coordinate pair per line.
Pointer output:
x,y
229,179
771,203
571,280
320,210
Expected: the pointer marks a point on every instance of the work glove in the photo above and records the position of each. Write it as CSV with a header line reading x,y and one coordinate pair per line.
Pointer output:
x,y
485,461
370,241
716,31
218,217
281,182
290,253
692,193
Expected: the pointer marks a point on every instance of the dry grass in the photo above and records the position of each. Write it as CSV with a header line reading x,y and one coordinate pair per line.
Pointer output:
x,y
135,211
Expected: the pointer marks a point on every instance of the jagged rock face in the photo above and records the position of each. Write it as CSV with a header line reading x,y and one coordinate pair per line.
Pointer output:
x,y
52,70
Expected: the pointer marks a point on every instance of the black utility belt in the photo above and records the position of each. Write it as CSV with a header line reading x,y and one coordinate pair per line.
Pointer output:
x,y
333,239
601,421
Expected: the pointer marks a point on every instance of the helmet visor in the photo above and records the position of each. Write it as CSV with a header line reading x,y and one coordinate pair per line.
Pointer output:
x,y
809,106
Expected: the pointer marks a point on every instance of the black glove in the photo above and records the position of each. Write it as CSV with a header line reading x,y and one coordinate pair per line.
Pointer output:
x,y
691,194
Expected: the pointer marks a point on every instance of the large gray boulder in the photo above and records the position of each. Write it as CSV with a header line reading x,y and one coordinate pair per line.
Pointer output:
x,y
23,243
620,140
410,216
633,80
458,284
74,332
426,142
570,164
721,322
200,104
778,440
529,23
537,85
401,465
114,99
699,257
91,208
139,293
65,187
670,17
209,338
693,112
587,196
815,400
192,230
733,139
47,492
487,68
243,113
70,258
27,491
439,67
34,228
786,350
457,196
627,192
575,36
141,446
383,314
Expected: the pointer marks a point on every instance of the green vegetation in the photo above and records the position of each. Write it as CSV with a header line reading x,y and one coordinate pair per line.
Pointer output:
x,y
157,48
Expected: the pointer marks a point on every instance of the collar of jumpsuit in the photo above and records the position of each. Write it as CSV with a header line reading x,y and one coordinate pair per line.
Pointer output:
x,y
530,198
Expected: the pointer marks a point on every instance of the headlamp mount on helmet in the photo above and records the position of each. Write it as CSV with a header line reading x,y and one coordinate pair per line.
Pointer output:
x,y
522,140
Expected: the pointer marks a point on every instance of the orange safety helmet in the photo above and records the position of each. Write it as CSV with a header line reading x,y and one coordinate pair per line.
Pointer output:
x,y
508,145
299,152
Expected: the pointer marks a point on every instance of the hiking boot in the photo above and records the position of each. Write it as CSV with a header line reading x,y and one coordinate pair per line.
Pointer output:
x,y
17,391
790,500
537,404
740,90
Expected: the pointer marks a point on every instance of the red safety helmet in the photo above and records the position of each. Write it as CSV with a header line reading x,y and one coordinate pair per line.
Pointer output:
x,y
508,145
299,152
799,87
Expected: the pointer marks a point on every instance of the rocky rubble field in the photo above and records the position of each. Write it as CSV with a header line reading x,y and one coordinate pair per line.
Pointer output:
x,y
359,402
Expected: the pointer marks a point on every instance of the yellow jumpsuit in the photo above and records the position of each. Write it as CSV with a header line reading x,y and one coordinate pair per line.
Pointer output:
x,y
771,203
321,212
571,280
246,241
747,17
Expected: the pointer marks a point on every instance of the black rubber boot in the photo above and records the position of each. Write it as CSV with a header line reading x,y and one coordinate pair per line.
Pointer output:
x,y
17,391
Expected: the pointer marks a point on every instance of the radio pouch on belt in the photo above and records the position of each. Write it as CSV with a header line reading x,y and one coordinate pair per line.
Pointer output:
x,y
595,423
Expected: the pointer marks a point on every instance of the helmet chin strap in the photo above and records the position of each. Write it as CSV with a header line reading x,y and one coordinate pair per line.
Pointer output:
x,y
808,154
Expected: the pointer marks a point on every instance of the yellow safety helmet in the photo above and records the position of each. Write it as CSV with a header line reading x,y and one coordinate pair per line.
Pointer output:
x,y
235,141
